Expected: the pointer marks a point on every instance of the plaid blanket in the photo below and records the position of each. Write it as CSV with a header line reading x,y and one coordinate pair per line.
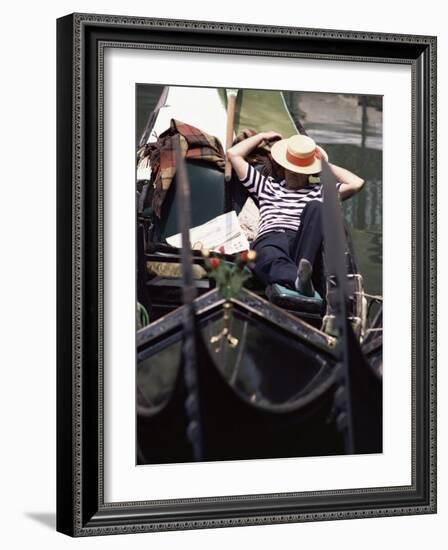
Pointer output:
x,y
196,146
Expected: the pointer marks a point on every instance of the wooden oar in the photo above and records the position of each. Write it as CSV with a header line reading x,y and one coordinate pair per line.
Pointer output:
x,y
231,104
190,360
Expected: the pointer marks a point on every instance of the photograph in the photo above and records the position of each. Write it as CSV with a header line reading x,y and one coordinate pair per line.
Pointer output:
x,y
259,241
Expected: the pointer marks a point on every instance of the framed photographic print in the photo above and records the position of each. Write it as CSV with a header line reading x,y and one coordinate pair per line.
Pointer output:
x,y
246,274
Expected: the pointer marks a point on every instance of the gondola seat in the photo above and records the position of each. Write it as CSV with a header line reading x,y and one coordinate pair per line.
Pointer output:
x,y
210,197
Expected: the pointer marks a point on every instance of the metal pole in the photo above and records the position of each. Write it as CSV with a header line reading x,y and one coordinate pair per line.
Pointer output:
x,y
189,325
335,247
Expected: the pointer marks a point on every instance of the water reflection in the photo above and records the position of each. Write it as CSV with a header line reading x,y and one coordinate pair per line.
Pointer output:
x,y
349,128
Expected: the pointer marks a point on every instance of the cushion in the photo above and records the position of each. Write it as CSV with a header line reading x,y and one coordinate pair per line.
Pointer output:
x,y
170,269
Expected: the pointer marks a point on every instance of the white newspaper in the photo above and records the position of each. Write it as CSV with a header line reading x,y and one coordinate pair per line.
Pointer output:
x,y
224,230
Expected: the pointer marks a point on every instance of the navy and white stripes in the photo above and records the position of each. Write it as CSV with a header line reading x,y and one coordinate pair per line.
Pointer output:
x,y
280,208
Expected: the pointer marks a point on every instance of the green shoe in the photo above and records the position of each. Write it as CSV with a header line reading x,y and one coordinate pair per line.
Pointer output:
x,y
304,283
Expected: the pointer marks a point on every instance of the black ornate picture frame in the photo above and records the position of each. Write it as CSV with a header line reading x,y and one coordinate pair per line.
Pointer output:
x,y
81,40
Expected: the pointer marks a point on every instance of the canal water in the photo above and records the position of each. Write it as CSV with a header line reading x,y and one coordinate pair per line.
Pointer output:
x,y
349,128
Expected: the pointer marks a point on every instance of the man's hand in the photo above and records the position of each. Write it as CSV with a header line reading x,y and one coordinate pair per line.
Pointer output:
x,y
350,183
323,154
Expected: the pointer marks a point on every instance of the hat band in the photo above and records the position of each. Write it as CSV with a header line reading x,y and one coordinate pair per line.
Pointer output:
x,y
304,161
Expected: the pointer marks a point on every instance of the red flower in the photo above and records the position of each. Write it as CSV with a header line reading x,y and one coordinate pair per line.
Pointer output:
x,y
214,262
244,256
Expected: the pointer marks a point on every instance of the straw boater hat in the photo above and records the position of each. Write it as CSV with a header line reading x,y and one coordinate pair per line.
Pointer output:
x,y
299,154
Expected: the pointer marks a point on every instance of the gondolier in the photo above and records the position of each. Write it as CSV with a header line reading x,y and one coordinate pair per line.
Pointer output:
x,y
289,239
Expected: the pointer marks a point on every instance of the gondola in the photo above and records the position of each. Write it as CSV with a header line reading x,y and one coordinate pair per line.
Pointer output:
x,y
296,383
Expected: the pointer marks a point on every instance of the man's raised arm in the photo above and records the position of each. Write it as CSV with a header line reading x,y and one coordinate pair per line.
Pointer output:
x,y
237,153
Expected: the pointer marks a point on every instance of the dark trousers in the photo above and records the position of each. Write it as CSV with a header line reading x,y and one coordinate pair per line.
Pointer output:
x,y
279,253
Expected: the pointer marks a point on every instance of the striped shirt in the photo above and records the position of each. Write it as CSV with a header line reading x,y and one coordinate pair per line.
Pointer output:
x,y
280,207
